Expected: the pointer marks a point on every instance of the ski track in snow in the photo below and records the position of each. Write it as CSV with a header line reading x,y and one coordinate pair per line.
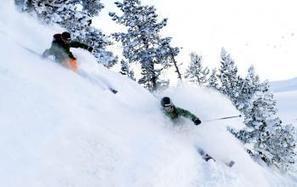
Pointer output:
x,y
59,128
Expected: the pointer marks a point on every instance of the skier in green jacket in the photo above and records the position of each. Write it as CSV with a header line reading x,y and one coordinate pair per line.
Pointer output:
x,y
174,112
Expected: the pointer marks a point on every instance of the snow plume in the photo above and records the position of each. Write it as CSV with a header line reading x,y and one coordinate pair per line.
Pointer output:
x,y
59,128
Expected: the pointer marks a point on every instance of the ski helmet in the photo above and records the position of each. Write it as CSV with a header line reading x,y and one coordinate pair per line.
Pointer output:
x,y
66,36
165,102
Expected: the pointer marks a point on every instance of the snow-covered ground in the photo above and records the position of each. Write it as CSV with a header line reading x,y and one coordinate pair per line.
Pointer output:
x,y
286,95
287,106
284,85
59,128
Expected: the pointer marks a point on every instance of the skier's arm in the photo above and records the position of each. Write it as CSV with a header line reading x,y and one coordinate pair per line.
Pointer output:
x,y
189,115
76,44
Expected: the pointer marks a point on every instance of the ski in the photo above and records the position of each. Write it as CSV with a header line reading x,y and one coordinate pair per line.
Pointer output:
x,y
207,157
84,75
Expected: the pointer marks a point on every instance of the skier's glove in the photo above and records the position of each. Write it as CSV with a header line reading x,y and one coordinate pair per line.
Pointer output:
x,y
197,121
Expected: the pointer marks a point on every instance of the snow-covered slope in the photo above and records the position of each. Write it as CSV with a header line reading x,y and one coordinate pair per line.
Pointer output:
x,y
285,93
285,85
287,106
59,128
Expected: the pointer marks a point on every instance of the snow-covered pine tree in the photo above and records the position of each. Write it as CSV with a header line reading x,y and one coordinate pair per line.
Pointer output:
x,y
76,17
99,41
25,5
249,86
92,7
142,42
213,81
231,83
126,70
264,135
271,141
196,73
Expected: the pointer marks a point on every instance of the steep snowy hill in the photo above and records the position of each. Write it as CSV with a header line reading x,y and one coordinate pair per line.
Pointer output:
x,y
285,85
59,128
286,95
287,106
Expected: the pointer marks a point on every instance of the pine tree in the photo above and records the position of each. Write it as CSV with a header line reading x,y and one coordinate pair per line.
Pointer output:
x,y
230,81
99,41
76,17
272,142
249,86
213,80
196,73
92,7
142,42
25,5
126,70
264,134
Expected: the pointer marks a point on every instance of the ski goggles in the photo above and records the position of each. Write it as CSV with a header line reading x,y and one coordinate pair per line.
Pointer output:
x,y
168,107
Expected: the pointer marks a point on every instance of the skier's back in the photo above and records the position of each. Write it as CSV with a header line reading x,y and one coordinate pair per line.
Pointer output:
x,y
60,49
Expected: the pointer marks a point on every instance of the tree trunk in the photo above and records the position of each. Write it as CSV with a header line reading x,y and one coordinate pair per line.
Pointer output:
x,y
175,65
154,77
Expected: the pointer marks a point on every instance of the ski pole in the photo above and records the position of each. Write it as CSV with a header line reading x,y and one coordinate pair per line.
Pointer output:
x,y
223,118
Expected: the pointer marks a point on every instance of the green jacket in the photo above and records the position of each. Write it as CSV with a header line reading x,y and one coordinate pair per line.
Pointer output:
x,y
177,112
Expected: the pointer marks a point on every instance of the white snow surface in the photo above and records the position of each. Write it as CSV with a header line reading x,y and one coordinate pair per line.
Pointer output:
x,y
59,128
287,106
284,85
285,93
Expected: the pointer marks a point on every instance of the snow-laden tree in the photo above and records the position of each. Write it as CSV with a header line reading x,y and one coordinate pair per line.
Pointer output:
x,y
24,5
99,41
92,7
126,70
248,87
76,17
142,43
274,143
264,135
213,81
231,83
196,73
268,139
